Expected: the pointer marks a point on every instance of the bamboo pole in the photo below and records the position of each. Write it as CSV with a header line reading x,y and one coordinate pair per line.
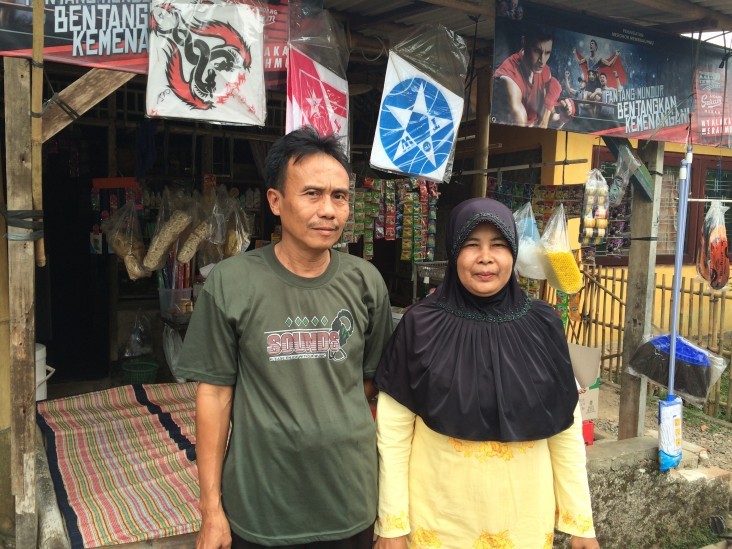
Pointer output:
x,y
700,316
37,121
613,363
663,300
621,332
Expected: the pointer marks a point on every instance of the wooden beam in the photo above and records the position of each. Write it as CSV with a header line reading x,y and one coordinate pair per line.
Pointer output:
x,y
687,26
691,12
486,9
411,10
21,274
639,299
81,96
640,178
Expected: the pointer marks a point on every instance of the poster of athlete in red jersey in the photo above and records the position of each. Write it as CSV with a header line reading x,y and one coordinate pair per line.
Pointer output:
x,y
569,71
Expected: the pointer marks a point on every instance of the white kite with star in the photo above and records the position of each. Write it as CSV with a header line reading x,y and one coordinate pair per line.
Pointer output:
x,y
418,123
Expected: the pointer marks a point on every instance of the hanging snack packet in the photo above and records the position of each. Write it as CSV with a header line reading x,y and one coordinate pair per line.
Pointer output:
x,y
562,272
237,232
198,231
173,219
593,225
627,165
125,238
529,263
712,261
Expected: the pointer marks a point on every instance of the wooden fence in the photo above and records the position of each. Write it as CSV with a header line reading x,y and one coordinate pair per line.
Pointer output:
x,y
705,319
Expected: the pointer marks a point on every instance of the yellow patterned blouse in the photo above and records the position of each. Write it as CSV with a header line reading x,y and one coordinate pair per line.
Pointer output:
x,y
449,493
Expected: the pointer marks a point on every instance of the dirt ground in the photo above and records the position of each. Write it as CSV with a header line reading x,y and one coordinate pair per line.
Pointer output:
x,y
713,435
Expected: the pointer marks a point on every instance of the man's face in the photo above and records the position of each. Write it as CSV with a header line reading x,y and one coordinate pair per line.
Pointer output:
x,y
582,84
537,55
603,80
593,46
592,76
314,206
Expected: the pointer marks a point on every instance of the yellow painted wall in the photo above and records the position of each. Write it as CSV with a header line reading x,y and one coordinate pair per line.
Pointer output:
x,y
557,146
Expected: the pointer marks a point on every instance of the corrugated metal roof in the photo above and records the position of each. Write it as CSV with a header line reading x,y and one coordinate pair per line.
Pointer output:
x,y
379,18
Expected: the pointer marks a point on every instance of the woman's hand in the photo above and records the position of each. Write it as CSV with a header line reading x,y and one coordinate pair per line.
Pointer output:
x,y
584,543
391,543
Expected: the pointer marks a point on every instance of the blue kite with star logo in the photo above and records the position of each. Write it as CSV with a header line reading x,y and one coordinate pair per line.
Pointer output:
x,y
418,123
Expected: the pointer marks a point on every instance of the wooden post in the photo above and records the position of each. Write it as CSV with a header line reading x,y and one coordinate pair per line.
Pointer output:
x,y
21,272
639,299
36,121
482,131
7,505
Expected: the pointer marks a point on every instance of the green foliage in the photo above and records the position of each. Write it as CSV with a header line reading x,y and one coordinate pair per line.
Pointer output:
x,y
693,539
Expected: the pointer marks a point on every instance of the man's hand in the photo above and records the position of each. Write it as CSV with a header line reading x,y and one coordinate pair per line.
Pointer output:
x,y
584,543
215,532
391,543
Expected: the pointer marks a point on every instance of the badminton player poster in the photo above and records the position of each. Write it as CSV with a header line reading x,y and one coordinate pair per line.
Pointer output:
x,y
568,71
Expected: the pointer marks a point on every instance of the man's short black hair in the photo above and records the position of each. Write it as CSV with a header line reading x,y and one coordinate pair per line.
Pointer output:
x,y
533,34
296,145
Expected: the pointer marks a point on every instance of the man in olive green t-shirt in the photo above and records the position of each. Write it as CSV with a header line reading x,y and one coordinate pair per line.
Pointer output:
x,y
284,341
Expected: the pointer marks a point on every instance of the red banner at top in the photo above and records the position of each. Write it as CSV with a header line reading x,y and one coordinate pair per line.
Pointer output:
x,y
114,34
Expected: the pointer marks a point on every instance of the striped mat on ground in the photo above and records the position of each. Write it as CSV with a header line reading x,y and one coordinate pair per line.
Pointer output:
x,y
123,462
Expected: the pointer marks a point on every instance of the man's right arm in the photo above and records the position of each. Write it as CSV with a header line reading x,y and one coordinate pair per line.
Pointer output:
x,y
509,96
213,413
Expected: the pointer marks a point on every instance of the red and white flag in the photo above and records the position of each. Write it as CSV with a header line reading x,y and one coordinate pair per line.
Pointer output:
x,y
316,96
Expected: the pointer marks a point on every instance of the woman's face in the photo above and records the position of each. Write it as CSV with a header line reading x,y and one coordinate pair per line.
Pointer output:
x,y
485,262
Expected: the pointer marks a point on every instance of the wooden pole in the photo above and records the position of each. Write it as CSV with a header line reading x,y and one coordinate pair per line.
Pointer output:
x,y
36,120
21,273
7,505
482,130
641,285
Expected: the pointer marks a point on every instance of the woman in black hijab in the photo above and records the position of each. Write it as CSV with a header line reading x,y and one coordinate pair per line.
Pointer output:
x,y
480,441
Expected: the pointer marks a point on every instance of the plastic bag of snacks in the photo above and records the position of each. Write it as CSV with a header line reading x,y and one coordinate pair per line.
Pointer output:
x,y
712,261
627,165
529,263
562,272
593,226
125,238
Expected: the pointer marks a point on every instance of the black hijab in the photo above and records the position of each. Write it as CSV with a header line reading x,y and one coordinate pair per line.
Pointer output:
x,y
481,368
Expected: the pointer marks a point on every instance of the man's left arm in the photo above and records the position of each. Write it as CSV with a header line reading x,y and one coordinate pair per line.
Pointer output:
x,y
369,389
377,335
